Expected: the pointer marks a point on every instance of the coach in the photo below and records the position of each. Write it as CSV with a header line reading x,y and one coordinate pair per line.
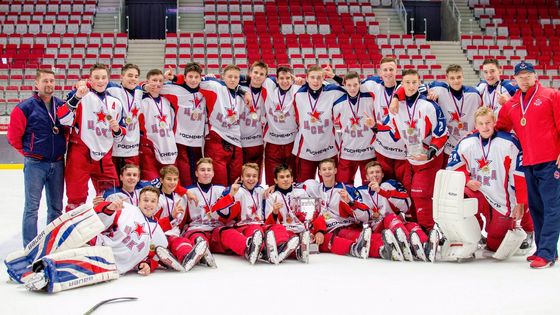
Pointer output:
x,y
534,114
36,133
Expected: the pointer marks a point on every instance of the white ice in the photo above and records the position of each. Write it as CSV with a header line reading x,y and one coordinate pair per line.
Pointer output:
x,y
329,284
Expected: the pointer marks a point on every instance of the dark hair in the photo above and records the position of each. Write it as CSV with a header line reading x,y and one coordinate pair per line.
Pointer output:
x,y
491,61
99,66
284,69
153,72
410,72
129,166
281,168
41,71
129,66
149,189
453,68
351,75
193,67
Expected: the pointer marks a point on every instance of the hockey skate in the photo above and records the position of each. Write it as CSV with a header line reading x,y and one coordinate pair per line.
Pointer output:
x,y
417,247
167,259
430,247
195,255
286,249
302,252
207,258
270,251
253,249
403,244
390,249
360,248
36,282
526,245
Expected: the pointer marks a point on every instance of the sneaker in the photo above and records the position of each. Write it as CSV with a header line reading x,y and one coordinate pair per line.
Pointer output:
x,y
207,259
168,260
36,282
271,251
541,263
532,257
527,242
195,255
400,235
287,248
431,246
302,252
253,248
390,249
360,248
416,247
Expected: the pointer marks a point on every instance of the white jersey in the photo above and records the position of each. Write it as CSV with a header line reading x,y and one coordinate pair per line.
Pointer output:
x,y
212,209
223,109
168,203
420,123
495,163
190,121
459,113
336,212
385,141
375,202
118,193
354,138
157,121
251,205
131,235
397,195
489,95
286,215
315,137
91,121
280,116
251,119
131,107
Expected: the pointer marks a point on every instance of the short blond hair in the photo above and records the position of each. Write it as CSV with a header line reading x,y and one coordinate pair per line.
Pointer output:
x,y
483,111
206,160
247,166
168,170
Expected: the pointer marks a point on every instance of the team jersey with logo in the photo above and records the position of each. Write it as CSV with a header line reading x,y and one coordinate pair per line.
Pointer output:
x,y
131,107
496,164
279,113
420,123
250,204
251,119
489,95
354,138
315,139
212,209
375,203
459,112
118,193
90,121
157,123
287,215
191,114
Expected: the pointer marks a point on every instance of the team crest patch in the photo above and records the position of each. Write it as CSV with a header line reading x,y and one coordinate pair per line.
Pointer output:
x,y
538,102
557,175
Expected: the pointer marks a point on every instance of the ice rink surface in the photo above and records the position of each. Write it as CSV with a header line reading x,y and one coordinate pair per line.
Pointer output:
x,y
329,284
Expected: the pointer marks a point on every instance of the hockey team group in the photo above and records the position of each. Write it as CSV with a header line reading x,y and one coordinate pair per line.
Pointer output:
x,y
177,168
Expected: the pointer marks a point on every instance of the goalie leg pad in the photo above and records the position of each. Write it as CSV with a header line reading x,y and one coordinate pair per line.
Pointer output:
x,y
510,244
75,268
71,230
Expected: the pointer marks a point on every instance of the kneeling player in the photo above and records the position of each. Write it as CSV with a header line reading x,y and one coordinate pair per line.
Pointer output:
x,y
130,188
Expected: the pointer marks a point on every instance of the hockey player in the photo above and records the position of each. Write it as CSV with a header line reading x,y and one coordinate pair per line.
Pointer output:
x,y
494,91
281,126
491,161
94,116
208,210
190,105
129,190
387,202
130,95
315,138
421,123
458,103
157,129
354,136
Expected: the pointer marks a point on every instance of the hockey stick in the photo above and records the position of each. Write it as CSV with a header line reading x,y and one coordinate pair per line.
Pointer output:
x,y
119,299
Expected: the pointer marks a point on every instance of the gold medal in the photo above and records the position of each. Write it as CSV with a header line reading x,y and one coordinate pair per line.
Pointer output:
x,y
128,120
281,117
486,169
460,125
109,117
523,121
254,116
152,247
289,220
354,127
233,118
55,130
313,120
410,131
162,124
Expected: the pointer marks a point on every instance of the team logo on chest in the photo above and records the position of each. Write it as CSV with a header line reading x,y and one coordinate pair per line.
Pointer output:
x,y
484,165
139,229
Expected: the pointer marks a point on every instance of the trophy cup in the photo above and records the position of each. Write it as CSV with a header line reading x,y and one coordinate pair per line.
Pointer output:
x,y
310,208
414,149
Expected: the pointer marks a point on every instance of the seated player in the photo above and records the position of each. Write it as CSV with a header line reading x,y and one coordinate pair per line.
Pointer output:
x,y
491,161
130,188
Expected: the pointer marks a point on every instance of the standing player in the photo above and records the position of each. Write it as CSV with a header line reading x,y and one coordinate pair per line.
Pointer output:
x,y
422,125
354,136
491,161
315,138
130,95
281,126
458,103
190,105
94,117
157,129
494,91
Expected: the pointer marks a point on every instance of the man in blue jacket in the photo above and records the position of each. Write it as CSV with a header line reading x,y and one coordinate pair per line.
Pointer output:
x,y
36,133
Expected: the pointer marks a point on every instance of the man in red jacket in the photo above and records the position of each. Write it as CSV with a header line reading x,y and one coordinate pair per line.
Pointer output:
x,y
534,115
37,134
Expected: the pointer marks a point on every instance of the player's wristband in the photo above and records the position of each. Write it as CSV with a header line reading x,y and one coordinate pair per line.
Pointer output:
x,y
432,150
117,133
72,103
374,129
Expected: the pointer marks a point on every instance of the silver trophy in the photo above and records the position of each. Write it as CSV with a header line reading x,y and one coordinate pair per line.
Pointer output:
x,y
310,207
414,149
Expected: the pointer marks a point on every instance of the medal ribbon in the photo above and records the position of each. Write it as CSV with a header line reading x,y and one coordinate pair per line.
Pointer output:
x,y
313,106
411,116
525,107
459,111
208,202
485,154
357,107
